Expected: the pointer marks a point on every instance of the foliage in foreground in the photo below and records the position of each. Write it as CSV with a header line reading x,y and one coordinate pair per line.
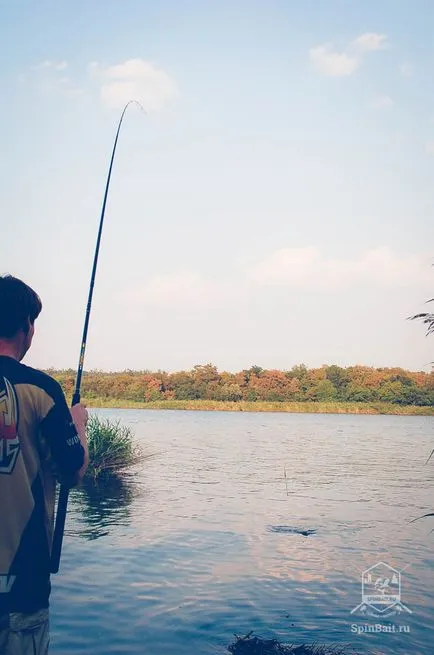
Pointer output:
x,y
427,319
112,449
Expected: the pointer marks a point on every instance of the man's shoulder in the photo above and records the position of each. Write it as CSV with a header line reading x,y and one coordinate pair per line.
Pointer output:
x,y
24,374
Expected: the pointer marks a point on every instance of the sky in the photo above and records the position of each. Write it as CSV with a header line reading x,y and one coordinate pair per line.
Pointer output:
x,y
272,205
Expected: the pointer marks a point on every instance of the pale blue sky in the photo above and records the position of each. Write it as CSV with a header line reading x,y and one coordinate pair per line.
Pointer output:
x,y
274,206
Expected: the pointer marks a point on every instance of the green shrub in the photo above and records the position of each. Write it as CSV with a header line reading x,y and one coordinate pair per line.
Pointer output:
x,y
111,448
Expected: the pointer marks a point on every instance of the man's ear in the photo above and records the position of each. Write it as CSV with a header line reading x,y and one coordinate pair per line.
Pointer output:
x,y
26,326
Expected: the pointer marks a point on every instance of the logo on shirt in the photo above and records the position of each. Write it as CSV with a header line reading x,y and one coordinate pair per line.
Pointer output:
x,y
6,583
9,442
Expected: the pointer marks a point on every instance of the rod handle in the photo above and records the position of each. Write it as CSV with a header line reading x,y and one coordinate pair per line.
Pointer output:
x,y
76,398
62,507
56,549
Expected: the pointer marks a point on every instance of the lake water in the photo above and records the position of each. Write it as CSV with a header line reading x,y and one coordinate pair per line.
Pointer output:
x,y
192,550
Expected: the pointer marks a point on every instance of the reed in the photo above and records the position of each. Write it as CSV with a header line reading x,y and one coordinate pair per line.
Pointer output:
x,y
112,448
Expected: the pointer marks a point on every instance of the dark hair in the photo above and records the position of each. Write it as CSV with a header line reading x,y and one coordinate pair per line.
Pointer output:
x,y
19,304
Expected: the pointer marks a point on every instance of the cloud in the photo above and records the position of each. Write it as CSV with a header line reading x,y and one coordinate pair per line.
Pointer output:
x,y
381,102
331,63
74,92
371,41
287,265
406,70
53,65
134,79
49,78
185,288
309,267
303,268
429,147
328,61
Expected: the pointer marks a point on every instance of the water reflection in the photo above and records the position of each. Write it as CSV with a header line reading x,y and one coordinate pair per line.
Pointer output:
x,y
98,505
185,564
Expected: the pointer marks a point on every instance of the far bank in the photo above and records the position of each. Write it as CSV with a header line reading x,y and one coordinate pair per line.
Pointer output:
x,y
263,406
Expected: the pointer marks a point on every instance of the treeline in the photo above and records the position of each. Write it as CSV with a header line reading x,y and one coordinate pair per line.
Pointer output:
x,y
328,383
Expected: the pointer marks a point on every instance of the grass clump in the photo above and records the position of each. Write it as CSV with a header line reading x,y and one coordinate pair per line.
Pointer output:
x,y
112,449
249,645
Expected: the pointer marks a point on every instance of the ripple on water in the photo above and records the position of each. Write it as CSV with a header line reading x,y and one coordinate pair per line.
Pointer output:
x,y
200,546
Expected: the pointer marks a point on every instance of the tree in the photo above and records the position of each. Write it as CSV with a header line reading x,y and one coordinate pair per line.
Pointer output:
x,y
256,371
392,392
183,386
322,391
339,377
229,392
301,374
355,383
357,393
206,380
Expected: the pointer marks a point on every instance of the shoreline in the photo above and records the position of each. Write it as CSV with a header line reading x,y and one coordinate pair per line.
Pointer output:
x,y
374,408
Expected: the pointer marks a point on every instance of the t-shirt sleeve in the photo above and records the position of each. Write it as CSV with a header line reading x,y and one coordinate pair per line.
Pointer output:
x,y
61,435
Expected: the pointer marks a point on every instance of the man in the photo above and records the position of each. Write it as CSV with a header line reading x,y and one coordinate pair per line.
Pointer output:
x,y
38,435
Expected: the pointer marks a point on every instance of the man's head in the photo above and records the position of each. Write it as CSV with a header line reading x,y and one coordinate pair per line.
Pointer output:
x,y
20,306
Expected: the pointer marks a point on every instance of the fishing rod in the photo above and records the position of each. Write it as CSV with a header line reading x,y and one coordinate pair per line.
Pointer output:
x,y
62,505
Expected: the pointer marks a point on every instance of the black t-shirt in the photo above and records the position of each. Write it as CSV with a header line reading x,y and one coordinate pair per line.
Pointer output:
x,y
37,437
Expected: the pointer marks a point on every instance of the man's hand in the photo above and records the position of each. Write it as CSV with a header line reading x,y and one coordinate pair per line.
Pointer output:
x,y
80,417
